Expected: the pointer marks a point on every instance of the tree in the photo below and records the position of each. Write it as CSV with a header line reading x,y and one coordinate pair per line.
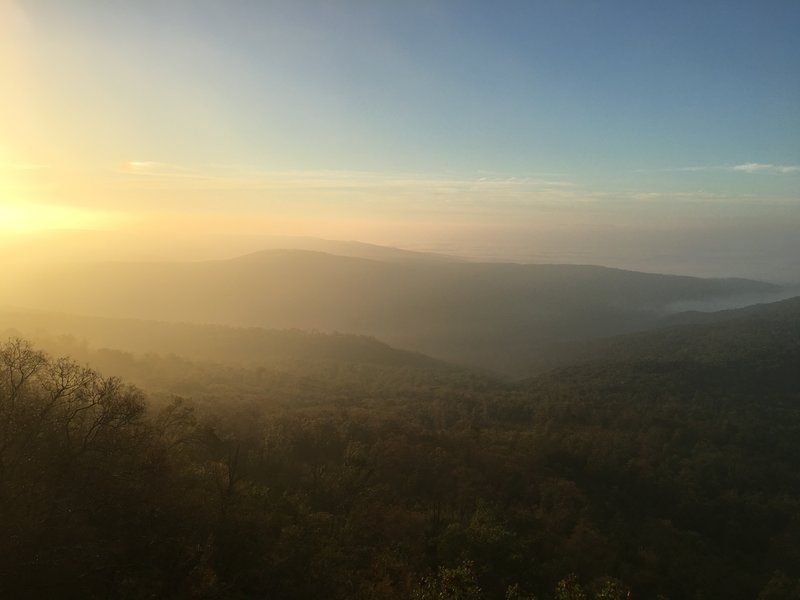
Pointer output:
x,y
459,583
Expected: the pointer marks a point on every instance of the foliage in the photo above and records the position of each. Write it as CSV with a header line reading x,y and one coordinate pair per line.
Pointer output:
x,y
677,477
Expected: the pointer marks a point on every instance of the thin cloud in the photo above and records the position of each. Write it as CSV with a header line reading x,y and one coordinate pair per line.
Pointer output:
x,y
246,176
679,169
742,168
766,168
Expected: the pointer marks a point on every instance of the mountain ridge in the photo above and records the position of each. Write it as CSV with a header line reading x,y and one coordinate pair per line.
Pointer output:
x,y
500,316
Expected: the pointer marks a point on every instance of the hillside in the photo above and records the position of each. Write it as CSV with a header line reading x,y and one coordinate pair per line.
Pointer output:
x,y
783,310
751,334
220,363
66,245
650,471
687,439
219,343
496,315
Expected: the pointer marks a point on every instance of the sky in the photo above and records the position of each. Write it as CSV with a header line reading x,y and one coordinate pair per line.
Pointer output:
x,y
569,130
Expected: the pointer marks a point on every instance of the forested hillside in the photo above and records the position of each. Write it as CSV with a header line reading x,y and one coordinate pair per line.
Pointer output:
x,y
661,474
499,316
749,336
77,335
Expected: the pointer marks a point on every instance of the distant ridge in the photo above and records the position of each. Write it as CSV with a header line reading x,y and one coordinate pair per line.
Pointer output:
x,y
748,333
352,249
788,308
500,316
219,343
90,246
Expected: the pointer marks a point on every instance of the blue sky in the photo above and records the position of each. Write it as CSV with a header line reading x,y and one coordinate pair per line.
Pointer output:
x,y
515,87
641,109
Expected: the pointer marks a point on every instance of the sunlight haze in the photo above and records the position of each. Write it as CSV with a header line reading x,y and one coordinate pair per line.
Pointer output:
x,y
400,299
492,134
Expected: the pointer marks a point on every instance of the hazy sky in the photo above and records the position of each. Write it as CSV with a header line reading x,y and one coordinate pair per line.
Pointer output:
x,y
416,123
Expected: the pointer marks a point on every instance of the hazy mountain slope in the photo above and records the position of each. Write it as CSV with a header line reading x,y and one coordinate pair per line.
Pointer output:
x,y
501,316
780,310
351,249
62,333
752,333
92,246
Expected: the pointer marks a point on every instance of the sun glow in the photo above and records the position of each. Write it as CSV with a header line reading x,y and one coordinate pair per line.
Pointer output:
x,y
20,217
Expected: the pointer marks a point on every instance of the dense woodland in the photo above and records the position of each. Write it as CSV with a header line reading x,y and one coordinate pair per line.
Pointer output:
x,y
666,465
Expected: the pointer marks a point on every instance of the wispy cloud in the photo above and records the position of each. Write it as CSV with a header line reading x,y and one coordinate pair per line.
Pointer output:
x,y
766,168
742,168
247,176
251,187
483,192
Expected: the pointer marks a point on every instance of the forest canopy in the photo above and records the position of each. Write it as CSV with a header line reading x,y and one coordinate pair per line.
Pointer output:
x,y
647,477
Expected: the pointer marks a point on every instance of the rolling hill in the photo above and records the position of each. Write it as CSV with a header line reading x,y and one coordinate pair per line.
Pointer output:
x,y
500,316
252,346
666,463
761,332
